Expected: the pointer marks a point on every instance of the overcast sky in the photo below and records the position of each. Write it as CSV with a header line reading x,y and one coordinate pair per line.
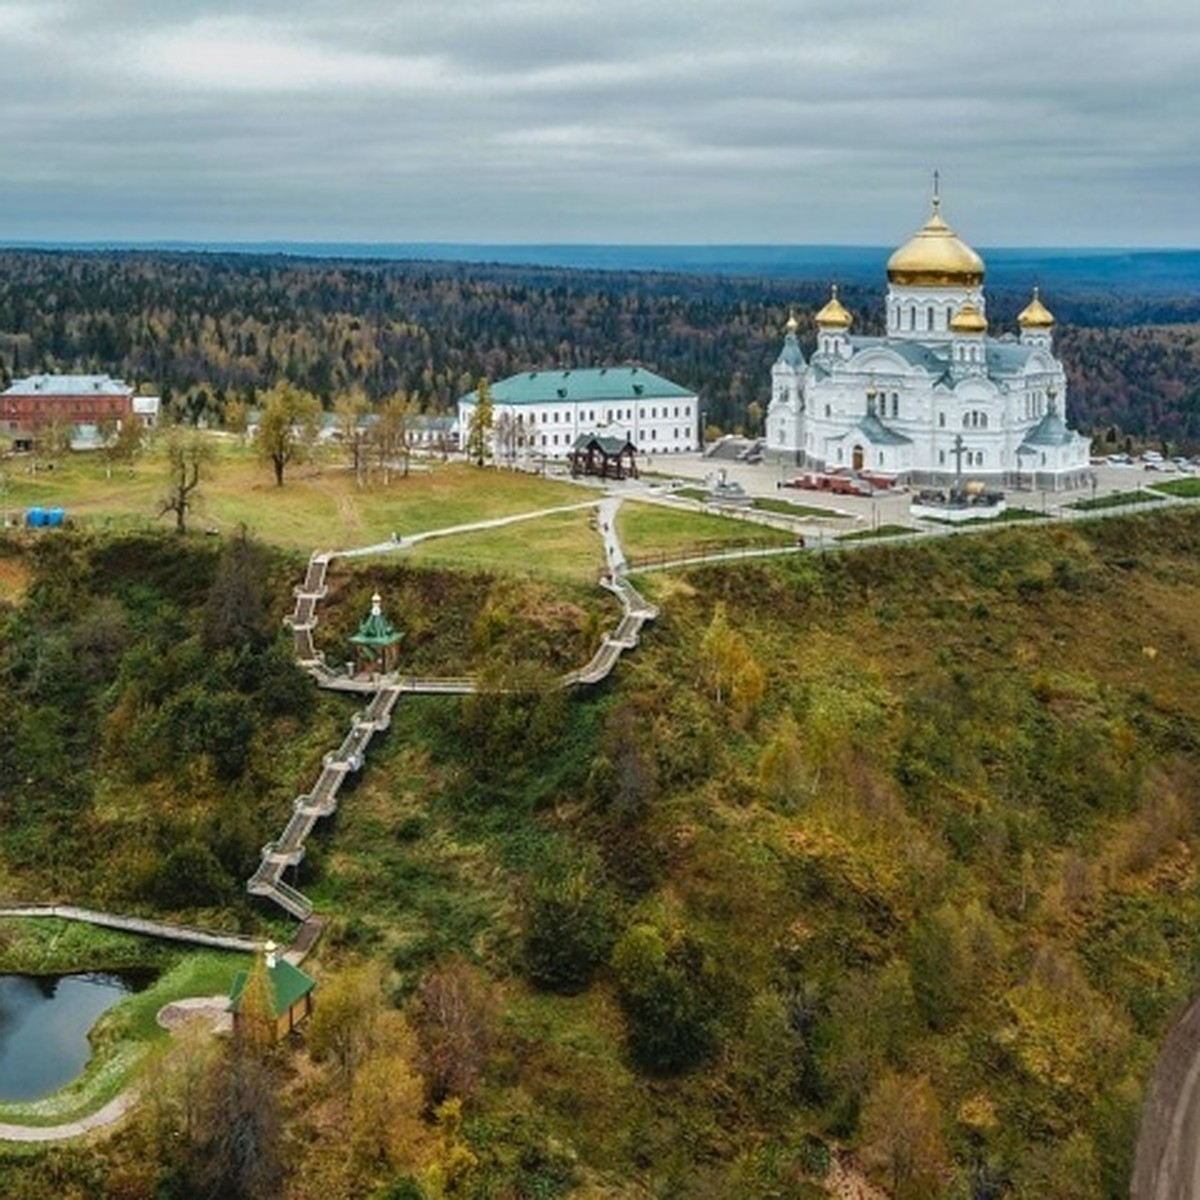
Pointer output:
x,y
1053,122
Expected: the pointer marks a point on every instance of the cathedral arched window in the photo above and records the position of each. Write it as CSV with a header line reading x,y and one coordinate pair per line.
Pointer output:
x,y
929,317
912,318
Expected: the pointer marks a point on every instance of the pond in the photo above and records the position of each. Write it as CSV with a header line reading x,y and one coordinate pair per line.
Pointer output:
x,y
44,1023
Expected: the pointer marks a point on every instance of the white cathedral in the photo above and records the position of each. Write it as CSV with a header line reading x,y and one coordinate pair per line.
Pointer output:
x,y
936,399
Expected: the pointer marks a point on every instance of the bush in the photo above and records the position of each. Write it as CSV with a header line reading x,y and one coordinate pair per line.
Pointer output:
x,y
569,925
668,991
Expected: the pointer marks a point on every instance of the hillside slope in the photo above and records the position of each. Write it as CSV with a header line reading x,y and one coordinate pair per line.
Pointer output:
x,y
892,850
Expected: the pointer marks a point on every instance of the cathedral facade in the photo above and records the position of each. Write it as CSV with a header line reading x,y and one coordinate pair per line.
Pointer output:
x,y
938,398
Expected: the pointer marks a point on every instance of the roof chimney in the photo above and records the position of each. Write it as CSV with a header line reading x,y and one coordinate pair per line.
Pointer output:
x,y
269,950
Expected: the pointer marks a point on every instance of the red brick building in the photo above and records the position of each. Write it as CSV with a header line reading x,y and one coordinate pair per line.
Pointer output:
x,y
31,404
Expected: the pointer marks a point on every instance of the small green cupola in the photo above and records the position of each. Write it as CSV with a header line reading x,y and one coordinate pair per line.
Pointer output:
x,y
377,642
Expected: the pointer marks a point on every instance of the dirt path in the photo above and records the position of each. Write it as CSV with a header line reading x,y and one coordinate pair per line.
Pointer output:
x,y
170,1017
110,1114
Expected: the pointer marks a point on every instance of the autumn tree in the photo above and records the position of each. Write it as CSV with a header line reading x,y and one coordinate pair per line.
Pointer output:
x,y
107,429
349,410
781,768
189,456
902,1137
53,440
235,611
393,433
287,427
237,418
729,671
453,1015
128,443
479,430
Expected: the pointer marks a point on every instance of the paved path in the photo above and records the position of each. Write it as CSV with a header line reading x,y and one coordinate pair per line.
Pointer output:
x,y
1167,1166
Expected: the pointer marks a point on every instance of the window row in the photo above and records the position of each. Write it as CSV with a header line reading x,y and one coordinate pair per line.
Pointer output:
x,y
568,416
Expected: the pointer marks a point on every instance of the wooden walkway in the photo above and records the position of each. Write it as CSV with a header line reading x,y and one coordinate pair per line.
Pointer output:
x,y
139,925
287,850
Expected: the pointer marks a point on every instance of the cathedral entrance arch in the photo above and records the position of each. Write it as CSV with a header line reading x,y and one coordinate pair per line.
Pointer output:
x,y
857,458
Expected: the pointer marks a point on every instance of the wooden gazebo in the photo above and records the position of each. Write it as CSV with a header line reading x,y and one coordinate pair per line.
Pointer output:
x,y
604,457
271,999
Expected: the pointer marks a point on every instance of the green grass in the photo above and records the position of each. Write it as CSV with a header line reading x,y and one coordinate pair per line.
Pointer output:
x,y
318,505
123,1037
1115,500
762,503
884,531
560,544
653,529
1188,488
42,946
788,509
1008,517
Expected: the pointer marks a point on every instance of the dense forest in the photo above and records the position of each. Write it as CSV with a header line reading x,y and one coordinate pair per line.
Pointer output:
x,y
892,850
203,329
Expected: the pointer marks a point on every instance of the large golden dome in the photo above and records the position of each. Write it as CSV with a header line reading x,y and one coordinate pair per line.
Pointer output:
x,y
935,256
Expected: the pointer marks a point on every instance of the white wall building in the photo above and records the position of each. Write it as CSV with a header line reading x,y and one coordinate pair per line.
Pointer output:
x,y
936,397
540,414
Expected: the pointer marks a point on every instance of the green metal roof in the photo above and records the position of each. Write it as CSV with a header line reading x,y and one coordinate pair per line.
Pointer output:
x,y
610,445
876,432
584,385
288,984
375,629
1051,430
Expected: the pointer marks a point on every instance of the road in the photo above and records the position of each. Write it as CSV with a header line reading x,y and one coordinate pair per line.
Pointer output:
x,y
1167,1166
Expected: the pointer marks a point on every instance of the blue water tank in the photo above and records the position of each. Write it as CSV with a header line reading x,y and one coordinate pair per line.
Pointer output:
x,y
35,517
55,517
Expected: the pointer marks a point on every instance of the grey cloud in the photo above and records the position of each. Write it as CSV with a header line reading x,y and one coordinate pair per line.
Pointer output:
x,y
624,121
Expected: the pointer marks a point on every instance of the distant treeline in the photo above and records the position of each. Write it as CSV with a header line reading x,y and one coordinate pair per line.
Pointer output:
x,y
203,329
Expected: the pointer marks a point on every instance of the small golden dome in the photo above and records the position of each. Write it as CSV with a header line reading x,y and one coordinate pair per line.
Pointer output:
x,y
968,319
1036,315
834,315
792,324
935,256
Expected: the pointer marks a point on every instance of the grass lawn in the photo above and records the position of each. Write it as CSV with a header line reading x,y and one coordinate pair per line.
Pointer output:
x,y
1007,517
319,504
560,544
1188,488
125,1034
652,529
788,509
1116,500
763,504
884,531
